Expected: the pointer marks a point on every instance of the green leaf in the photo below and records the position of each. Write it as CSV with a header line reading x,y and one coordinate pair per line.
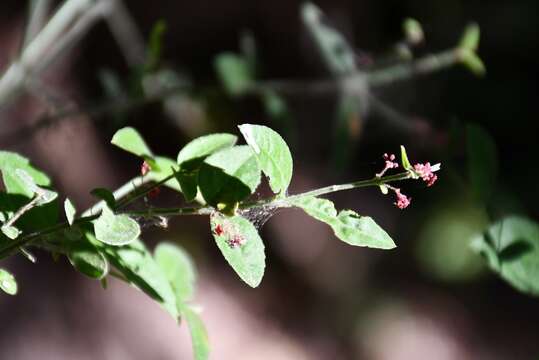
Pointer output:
x,y
337,54
114,229
188,181
70,211
9,162
404,159
347,225
413,31
482,161
106,195
234,72
199,336
511,247
242,247
272,154
7,282
138,266
162,168
229,175
87,259
45,196
201,147
473,62
130,140
178,267
470,38
11,232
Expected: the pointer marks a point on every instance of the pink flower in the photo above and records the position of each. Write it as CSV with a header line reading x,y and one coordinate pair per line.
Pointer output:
x,y
425,172
389,164
402,200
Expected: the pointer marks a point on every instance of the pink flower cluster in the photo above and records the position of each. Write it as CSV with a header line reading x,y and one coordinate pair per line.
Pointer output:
x,y
425,172
389,164
402,200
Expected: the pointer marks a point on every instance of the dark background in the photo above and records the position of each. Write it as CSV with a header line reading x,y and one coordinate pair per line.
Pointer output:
x,y
320,299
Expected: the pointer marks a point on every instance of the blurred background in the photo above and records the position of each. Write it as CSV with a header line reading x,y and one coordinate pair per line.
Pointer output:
x,y
430,298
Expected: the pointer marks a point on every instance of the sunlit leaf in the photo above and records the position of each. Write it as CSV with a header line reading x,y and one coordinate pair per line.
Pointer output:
x,y
404,159
178,268
130,140
229,175
7,282
201,147
272,154
347,225
9,162
242,247
115,229
70,211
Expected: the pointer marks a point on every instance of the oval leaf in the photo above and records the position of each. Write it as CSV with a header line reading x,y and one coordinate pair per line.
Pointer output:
x,y
88,260
130,140
272,153
347,225
201,147
242,247
178,268
234,72
114,229
8,282
229,175
511,247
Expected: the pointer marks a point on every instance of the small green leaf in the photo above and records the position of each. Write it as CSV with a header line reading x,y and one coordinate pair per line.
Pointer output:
x,y
178,268
88,260
11,232
511,247
234,72
473,62
347,225
229,175
199,336
404,159
242,247
482,161
70,211
106,195
130,140
9,162
138,266
201,147
272,153
114,229
7,282
470,38
413,31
